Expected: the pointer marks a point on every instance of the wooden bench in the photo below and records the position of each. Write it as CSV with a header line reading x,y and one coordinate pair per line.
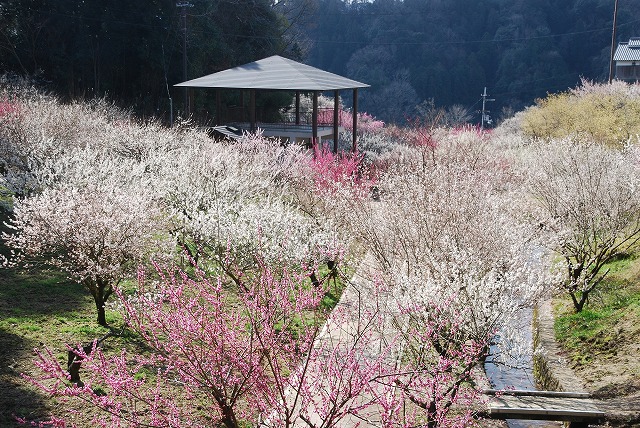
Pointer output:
x,y
574,407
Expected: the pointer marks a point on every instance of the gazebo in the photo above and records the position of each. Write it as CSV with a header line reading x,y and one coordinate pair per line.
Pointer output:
x,y
276,73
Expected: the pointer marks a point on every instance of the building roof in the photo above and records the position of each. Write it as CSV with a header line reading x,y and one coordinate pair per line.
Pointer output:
x,y
628,51
277,73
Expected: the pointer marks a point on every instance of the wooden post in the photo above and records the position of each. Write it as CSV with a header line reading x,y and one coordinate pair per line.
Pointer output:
x,y
336,118
297,107
354,148
191,103
218,120
314,120
252,109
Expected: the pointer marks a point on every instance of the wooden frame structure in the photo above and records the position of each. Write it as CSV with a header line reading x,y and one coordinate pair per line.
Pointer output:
x,y
575,408
276,73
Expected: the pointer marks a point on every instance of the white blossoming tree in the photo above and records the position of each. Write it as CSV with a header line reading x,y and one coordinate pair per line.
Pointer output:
x,y
223,196
586,200
445,230
95,219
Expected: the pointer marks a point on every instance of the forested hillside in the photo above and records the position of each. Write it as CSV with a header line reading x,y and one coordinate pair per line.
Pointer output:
x,y
409,51
133,51
413,50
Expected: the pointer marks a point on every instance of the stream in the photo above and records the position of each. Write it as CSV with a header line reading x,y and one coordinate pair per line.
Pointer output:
x,y
502,377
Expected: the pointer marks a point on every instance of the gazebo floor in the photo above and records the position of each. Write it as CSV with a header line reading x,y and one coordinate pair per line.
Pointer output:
x,y
289,132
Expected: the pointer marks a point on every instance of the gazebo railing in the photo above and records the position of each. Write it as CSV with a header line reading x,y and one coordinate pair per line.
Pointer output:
x,y
325,117
237,114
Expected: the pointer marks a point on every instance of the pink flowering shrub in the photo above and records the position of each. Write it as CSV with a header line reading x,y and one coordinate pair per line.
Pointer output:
x,y
232,352
366,122
331,172
8,109
434,387
266,355
421,134
325,116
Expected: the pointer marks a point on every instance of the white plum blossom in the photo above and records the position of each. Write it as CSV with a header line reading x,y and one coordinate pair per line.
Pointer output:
x,y
585,199
222,195
446,230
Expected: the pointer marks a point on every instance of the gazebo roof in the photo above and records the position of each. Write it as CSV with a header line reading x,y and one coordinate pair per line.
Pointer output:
x,y
275,73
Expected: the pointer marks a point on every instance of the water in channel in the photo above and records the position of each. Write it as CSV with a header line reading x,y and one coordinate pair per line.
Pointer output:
x,y
502,377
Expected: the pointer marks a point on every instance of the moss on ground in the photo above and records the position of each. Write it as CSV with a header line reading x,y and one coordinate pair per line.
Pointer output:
x,y
603,341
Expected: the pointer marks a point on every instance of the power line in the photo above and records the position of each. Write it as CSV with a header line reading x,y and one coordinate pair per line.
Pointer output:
x,y
321,41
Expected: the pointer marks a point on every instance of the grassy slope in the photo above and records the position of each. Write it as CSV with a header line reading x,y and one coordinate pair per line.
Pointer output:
x,y
603,341
38,308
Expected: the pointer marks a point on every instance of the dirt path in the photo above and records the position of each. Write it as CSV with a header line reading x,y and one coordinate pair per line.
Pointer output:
x,y
620,400
359,300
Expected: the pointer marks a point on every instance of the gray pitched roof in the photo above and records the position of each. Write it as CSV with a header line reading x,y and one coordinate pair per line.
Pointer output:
x,y
274,72
628,51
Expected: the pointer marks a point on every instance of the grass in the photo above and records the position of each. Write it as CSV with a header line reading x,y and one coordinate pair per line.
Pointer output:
x,y
37,309
6,198
40,307
45,300
595,331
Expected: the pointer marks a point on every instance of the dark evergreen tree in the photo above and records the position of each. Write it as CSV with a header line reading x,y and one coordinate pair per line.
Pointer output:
x,y
132,51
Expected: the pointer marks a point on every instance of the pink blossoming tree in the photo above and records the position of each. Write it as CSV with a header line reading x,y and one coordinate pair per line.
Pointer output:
x,y
266,355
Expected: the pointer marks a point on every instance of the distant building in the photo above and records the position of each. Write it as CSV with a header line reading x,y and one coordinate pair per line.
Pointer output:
x,y
627,60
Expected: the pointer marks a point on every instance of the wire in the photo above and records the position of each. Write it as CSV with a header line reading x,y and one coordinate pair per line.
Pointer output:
x,y
321,41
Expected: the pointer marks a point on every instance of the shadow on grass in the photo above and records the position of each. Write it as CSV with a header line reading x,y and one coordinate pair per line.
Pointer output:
x,y
36,308
42,308
17,397
25,293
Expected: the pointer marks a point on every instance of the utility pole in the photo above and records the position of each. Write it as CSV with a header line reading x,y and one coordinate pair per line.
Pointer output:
x,y
613,39
184,6
485,112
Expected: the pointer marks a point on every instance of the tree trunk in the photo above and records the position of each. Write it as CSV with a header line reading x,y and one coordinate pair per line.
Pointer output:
x,y
314,280
100,292
229,417
578,304
73,366
432,413
99,298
